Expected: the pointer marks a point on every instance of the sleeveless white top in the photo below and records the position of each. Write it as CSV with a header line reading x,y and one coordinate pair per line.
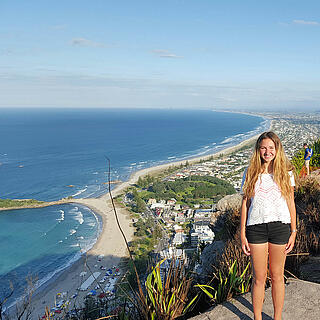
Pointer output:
x,y
267,204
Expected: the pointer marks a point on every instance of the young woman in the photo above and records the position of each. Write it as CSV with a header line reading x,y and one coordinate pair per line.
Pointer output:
x,y
268,219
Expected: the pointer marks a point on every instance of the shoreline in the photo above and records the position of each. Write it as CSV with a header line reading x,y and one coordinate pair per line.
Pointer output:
x,y
158,168
109,244
108,251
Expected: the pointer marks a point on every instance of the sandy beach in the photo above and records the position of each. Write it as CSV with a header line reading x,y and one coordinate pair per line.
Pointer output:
x,y
110,244
107,252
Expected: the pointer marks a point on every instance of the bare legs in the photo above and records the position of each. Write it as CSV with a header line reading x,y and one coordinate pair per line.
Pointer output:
x,y
259,257
307,165
277,259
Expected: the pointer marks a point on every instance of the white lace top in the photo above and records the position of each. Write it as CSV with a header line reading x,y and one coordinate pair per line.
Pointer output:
x,y
267,204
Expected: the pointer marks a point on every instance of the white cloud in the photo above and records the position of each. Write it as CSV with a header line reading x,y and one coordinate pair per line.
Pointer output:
x,y
166,54
170,55
82,42
310,23
160,51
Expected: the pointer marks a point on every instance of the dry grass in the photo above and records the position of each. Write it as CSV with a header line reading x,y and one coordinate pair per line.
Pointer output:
x,y
307,198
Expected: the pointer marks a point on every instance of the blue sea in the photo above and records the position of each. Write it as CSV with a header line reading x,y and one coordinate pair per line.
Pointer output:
x,y
48,154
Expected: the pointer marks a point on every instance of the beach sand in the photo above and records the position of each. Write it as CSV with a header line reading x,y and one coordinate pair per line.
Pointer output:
x,y
110,243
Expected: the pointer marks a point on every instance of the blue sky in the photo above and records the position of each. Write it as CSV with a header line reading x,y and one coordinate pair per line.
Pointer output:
x,y
158,54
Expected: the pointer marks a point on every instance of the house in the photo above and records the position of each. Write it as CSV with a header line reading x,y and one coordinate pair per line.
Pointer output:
x,y
158,205
206,237
171,202
178,239
179,217
151,201
172,253
201,232
177,228
201,225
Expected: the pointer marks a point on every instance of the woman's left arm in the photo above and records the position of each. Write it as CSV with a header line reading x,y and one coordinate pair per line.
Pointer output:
x,y
293,215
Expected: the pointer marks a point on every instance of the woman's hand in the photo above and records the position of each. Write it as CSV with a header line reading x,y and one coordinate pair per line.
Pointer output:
x,y
245,245
290,244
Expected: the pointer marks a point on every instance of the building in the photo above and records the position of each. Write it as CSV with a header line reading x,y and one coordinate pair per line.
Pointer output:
x,y
172,253
201,232
179,217
178,239
194,239
152,201
171,202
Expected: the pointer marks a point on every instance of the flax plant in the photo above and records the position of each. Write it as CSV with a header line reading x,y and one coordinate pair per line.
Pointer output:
x,y
228,285
167,292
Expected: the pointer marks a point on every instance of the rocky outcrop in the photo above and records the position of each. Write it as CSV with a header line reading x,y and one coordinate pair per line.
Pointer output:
x,y
230,202
310,270
208,257
302,301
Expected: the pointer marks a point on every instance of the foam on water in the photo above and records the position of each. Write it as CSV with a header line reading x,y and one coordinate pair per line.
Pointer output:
x,y
78,216
72,231
80,191
61,216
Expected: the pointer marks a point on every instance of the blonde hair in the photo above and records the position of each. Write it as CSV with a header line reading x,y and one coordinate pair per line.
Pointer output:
x,y
281,166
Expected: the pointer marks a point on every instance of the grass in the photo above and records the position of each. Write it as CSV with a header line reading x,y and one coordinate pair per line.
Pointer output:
x,y
8,203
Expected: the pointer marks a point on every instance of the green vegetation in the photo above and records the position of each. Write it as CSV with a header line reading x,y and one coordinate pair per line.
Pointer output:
x,y
147,235
167,297
229,285
190,190
307,198
8,203
145,181
137,204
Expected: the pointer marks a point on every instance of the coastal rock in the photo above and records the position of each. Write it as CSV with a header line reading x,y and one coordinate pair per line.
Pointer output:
x,y
209,256
302,300
310,270
230,202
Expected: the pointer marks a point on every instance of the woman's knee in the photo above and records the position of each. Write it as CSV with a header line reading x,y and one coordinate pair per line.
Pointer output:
x,y
259,279
277,277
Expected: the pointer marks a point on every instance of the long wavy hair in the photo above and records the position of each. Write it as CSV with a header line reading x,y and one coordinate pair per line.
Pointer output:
x,y
280,164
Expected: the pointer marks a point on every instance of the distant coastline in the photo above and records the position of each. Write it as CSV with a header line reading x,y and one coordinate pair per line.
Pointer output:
x,y
122,185
157,169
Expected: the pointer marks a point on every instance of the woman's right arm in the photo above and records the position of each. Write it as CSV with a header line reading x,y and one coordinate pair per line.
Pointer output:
x,y
243,219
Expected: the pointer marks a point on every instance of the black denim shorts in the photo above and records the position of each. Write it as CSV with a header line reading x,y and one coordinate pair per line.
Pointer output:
x,y
273,232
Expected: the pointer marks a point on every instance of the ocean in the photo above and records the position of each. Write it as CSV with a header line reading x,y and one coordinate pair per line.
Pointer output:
x,y
48,154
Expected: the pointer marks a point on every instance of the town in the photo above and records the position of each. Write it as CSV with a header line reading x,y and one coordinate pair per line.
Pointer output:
x,y
188,228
